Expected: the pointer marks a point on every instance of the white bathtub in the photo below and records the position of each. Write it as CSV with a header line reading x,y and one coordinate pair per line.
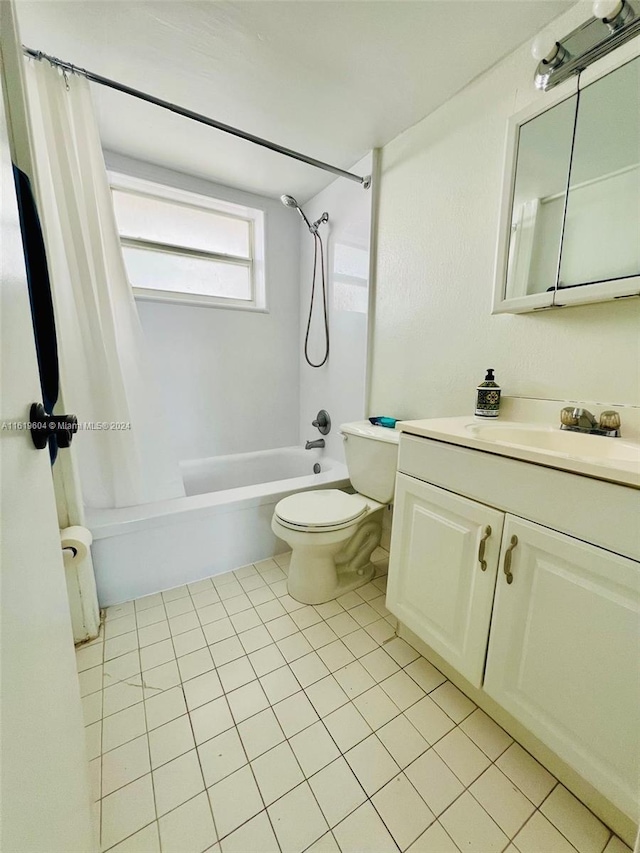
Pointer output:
x,y
223,523
222,473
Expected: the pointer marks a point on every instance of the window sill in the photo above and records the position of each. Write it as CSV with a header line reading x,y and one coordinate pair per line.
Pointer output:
x,y
197,300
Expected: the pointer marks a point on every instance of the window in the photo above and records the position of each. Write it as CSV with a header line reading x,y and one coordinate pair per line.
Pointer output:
x,y
183,247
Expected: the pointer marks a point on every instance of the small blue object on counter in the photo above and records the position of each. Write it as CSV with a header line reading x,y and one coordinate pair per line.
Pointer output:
x,y
384,422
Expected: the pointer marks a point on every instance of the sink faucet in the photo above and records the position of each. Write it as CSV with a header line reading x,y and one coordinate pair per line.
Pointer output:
x,y
581,420
584,419
310,445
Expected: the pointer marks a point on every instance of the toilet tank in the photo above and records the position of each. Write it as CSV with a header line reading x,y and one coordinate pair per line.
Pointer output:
x,y
372,459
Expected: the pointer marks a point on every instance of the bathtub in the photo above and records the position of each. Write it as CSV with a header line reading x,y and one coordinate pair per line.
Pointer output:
x,y
263,467
223,522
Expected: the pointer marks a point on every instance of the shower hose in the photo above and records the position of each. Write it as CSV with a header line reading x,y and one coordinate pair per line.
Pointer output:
x,y
318,249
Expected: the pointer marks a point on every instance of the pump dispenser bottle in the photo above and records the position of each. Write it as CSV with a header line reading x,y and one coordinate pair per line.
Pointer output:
x,y
488,397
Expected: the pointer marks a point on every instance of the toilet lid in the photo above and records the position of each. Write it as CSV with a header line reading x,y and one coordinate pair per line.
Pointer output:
x,y
321,508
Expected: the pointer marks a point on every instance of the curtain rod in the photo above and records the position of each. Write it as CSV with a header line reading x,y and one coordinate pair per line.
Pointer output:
x,y
218,125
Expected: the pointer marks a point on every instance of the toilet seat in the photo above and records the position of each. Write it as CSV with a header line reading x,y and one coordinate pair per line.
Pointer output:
x,y
321,510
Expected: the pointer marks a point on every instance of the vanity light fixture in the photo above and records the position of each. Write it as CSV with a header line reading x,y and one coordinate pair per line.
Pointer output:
x,y
613,23
548,51
613,13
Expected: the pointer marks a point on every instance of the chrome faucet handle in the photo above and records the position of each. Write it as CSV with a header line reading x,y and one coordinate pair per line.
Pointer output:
x,y
610,420
322,422
585,419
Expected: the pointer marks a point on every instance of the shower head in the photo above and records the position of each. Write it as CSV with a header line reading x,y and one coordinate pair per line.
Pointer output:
x,y
289,201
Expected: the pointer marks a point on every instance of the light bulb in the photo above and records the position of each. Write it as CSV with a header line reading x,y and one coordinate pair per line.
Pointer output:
x,y
544,48
607,10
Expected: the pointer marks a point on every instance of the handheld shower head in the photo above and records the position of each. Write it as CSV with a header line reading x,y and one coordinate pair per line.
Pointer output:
x,y
289,201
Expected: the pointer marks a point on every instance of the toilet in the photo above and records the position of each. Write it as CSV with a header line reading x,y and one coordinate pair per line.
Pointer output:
x,y
331,533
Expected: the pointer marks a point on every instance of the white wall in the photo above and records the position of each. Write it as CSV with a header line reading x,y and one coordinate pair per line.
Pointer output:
x,y
229,379
438,221
338,386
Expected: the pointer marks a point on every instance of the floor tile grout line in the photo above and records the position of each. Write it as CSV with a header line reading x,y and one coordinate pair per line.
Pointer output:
x,y
218,839
102,752
528,820
193,734
328,832
244,750
175,808
539,808
255,780
431,746
342,755
302,689
351,700
126,838
146,725
384,822
103,627
144,700
467,788
286,664
210,577
557,828
287,739
444,829
156,820
305,778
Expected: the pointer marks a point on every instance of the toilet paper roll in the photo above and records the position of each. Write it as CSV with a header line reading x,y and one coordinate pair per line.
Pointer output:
x,y
75,543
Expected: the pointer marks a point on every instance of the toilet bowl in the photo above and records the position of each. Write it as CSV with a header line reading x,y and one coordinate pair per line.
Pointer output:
x,y
331,533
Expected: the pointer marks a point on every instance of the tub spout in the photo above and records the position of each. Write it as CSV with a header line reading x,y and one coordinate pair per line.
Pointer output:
x,y
310,445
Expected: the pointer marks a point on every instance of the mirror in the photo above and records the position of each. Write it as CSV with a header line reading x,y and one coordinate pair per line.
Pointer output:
x,y
542,173
601,238
570,221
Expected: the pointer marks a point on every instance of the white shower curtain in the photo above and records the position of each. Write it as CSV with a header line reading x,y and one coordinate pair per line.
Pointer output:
x,y
104,374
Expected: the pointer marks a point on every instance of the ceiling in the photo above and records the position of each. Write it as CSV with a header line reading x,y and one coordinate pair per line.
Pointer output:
x,y
330,79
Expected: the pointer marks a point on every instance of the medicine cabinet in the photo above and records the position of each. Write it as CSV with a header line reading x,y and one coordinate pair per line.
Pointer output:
x,y
570,221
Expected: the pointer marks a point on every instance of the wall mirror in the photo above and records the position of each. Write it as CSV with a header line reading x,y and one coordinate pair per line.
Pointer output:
x,y
570,219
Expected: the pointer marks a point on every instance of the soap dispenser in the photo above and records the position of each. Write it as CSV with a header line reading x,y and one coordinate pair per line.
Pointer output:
x,y
488,397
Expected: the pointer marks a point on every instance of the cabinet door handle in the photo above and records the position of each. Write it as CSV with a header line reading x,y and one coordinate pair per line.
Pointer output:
x,y
481,547
507,558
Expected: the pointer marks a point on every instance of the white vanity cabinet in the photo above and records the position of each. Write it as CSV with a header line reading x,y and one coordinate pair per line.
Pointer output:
x,y
557,646
445,555
564,655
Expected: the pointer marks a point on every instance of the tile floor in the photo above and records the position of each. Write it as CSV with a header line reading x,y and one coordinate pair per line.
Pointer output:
x,y
225,716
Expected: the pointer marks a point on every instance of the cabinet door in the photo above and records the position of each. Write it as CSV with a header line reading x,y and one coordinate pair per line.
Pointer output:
x,y
437,584
564,654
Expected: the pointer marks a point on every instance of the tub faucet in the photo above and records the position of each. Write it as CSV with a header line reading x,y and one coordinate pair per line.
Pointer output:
x,y
310,445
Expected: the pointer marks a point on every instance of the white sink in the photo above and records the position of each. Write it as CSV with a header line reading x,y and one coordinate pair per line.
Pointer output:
x,y
606,458
575,444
